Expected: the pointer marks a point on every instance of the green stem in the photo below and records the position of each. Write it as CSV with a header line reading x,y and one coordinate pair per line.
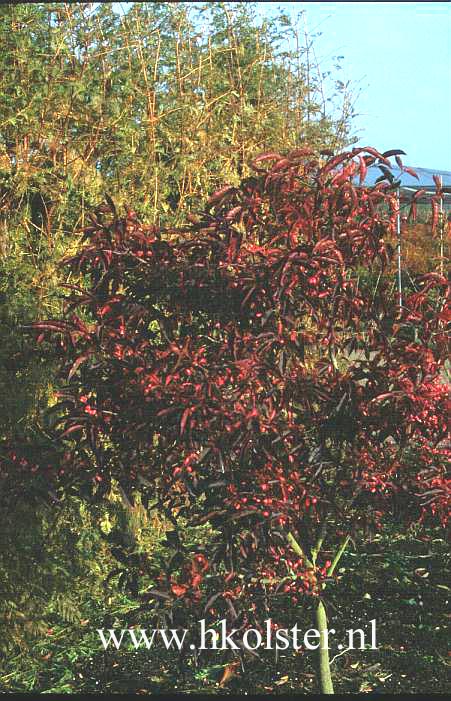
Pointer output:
x,y
320,540
338,555
324,675
298,550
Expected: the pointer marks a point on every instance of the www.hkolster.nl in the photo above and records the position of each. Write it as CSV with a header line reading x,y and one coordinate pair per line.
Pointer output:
x,y
271,638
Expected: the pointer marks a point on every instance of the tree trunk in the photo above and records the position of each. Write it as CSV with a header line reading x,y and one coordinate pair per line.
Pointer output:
x,y
323,666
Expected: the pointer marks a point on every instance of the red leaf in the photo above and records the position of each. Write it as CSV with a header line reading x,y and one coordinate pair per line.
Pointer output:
x,y
438,182
219,194
394,152
185,416
376,154
435,210
77,364
179,589
282,163
51,326
413,211
273,156
72,429
334,162
411,172
362,169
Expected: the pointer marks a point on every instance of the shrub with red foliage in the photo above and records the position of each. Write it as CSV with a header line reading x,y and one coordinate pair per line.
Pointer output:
x,y
242,373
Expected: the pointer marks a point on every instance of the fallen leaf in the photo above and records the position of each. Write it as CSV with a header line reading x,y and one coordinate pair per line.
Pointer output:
x,y
282,680
229,673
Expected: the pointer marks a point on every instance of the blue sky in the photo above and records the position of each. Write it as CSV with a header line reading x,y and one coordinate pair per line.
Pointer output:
x,y
399,55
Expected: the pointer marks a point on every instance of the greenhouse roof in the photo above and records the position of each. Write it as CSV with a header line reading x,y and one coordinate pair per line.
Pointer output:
x,y
410,183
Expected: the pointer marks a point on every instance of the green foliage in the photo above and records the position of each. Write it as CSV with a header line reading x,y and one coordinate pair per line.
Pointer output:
x,y
43,560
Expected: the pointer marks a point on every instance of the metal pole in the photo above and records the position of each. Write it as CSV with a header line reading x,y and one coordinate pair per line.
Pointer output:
x,y
442,226
398,234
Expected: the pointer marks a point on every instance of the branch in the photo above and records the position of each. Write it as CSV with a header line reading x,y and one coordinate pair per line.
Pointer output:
x,y
338,555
